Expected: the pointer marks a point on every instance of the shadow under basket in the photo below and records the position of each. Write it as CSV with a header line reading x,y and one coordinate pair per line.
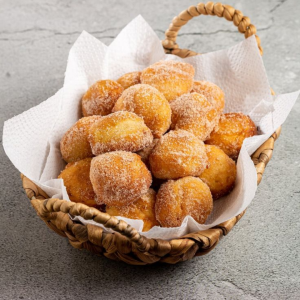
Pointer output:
x,y
125,243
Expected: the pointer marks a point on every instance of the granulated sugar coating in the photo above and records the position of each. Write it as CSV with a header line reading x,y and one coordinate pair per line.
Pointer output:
x,y
230,133
121,130
176,199
76,177
129,79
119,178
74,145
101,97
212,93
141,209
145,153
178,154
192,112
172,78
148,103
221,173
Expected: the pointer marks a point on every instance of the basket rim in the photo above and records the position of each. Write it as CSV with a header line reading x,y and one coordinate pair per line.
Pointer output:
x,y
55,213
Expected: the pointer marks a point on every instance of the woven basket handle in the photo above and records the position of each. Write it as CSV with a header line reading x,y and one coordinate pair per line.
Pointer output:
x,y
210,8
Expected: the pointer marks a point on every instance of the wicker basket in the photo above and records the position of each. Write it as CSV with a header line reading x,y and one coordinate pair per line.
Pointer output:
x,y
126,244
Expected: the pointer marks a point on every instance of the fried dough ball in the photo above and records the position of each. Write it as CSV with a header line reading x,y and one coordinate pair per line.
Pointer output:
x,y
77,181
74,145
141,209
178,154
211,92
176,199
172,78
100,98
119,178
145,153
230,133
220,176
148,103
129,79
193,113
121,130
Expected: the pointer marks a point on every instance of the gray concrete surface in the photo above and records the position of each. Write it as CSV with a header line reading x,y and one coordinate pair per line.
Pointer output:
x,y
259,259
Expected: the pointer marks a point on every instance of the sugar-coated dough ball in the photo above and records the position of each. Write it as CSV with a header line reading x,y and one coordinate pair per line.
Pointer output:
x,y
176,199
119,178
74,145
221,172
148,103
101,97
77,181
145,153
178,154
129,79
121,130
230,133
172,78
142,209
193,113
212,93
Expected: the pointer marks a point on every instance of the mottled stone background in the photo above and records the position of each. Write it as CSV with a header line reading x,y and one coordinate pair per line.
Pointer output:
x,y
259,259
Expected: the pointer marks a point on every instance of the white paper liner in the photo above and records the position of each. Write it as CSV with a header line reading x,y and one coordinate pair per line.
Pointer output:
x,y
31,139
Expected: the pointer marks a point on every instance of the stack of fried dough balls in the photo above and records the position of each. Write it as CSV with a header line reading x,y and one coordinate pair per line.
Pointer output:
x,y
154,145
